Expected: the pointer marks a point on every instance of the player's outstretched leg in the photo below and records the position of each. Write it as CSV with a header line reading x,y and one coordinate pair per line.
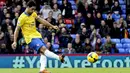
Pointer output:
x,y
50,54
43,62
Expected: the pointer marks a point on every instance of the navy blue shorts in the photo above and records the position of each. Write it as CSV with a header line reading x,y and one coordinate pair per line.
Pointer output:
x,y
36,44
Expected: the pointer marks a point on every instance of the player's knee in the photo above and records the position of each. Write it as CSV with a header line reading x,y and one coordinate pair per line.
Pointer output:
x,y
42,49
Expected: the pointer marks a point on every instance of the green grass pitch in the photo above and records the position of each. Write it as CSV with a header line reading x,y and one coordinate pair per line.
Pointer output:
x,y
69,70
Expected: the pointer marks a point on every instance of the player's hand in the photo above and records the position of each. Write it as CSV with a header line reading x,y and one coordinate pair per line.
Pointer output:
x,y
14,45
55,27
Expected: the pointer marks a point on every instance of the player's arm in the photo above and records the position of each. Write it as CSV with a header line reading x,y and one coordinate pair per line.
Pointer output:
x,y
46,23
16,33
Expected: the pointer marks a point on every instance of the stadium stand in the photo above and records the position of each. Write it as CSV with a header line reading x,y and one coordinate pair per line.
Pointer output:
x,y
68,11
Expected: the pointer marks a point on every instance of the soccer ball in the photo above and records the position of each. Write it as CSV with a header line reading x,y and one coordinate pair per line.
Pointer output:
x,y
92,57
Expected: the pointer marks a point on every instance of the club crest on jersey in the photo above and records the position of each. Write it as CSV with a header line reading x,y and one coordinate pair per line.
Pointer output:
x,y
32,24
37,44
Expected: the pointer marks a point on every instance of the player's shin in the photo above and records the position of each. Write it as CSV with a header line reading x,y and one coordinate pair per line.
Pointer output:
x,y
51,54
43,62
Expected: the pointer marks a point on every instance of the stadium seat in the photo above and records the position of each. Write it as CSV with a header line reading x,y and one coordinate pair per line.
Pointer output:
x,y
72,2
103,40
121,29
55,46
126,45
104,16
124,16
115,40
121,2
68,21
119,45
41,6
55,50
68,26
127,50
73,36
125,40
116,16
123,11
121,50
74,7
123,7
128,30
63,50
116,20
59,2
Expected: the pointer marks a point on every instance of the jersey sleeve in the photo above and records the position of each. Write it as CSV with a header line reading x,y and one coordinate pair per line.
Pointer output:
x,y
35,14
20,21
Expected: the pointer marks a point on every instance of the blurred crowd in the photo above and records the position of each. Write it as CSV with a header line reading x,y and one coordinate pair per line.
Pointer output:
x,y
82,29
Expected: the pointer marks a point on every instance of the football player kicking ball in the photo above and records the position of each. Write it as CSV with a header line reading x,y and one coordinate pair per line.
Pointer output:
x,y
26,22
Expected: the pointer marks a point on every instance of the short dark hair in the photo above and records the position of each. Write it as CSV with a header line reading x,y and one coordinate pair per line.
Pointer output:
x,y
108,35
31,3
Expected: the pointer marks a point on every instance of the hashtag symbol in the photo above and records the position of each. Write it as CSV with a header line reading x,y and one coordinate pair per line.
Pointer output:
x,y
18,62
